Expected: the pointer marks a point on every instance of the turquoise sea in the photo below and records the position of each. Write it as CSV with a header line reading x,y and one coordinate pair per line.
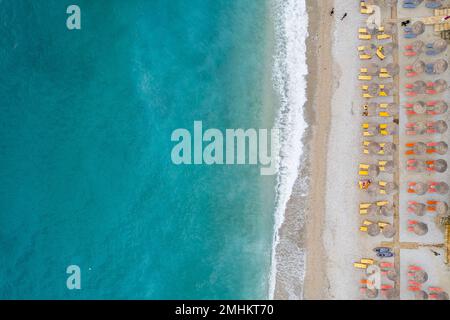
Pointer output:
x,y
86,176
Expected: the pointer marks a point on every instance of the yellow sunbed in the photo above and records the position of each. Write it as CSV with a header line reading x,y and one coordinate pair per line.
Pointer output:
x,y
380,53
358,265
367,261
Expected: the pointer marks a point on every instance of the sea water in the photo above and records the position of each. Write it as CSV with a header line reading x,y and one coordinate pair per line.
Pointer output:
x,y
85,168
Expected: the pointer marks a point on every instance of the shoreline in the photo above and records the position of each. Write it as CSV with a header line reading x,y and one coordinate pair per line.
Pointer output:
x,y
300,274
318,106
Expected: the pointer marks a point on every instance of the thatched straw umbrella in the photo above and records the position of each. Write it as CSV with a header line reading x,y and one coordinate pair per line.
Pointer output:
x,y
391,3
390,188
420,127
391,294
388,48
420,188
418,208
420,148
419,107
373,189
441,148
389,148
418,46
373,89
421,295
419,66
440,165
421,166
418,27
373,171
372,109
440,107
373,69
372,293
372,130
420,228
374,147
373,230
387,211
442,296
419,87
392,275
440,85
441,126
392,108
440,45
391,128
442,188
440,66
442,208
373,210
393,69
389,231
420,276
390,28
389,167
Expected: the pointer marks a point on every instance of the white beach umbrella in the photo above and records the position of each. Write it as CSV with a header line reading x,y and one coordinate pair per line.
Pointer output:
x,y
420,229
420,188
440,85
421,295
420,148
418,208
442,208
419,107
441,148
441,188
440,107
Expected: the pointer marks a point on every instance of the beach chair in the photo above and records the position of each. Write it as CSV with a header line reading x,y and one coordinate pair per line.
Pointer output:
x,y
363,34
358,265
363,76
380,53
433,4
367,261
363,55
409,51
364,9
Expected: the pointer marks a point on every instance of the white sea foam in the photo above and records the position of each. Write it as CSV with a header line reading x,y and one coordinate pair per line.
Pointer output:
x,y
289,74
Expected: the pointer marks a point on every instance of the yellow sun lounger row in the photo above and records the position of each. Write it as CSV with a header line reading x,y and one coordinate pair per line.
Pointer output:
x,y
382,113
382,129
363,76
364,263
366,147
364,168
364,55
367,223
381,92
363,207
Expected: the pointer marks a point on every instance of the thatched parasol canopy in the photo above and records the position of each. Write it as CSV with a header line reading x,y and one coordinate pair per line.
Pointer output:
x,y
373,189
374,147
390,188
393,69
421,295
391,294
441,188
392,108
373,230
440,45
372,293
420,165
389,231
418,208
440,107
442,296
440,165
418,27
440,66
389,148
441,148
373,171
373,89
388,48
373,210
420,148
419,66
440,85
389,167
392,275
373,69
420,188
420,276
387,211
441,126
419,107
420,127
391,3
390,28
372,108
419,86
420,229
418,46
442,208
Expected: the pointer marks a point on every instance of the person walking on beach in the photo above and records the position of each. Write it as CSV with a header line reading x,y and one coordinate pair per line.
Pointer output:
x,y
332,12
405,23
344,16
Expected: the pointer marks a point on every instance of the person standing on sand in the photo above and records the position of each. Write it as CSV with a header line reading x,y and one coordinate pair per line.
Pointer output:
x,y
332,12
344,16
